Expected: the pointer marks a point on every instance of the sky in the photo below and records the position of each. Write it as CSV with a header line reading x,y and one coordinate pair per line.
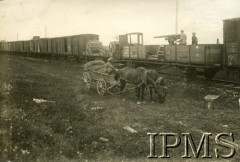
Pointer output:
x,y
109,18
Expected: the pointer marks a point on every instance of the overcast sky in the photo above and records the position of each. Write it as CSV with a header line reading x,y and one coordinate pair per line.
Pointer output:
x,y
109,18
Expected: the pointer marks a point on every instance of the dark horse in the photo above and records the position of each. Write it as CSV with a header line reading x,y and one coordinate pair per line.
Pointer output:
x,y
142,77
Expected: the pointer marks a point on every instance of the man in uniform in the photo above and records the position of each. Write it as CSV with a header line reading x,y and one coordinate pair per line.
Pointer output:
x,y
194,39
183,38
109,67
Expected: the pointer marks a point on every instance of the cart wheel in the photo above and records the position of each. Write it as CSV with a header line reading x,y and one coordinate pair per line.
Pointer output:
x,y
101,87
86,79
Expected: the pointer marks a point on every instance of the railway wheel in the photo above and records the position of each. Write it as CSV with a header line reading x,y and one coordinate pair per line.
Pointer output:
x,y
86,79
101,87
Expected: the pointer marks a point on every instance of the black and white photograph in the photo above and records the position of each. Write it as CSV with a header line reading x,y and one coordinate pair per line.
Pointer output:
x,y
119,80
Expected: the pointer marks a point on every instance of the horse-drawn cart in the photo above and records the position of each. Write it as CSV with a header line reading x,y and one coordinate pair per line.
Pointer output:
x,y
104,82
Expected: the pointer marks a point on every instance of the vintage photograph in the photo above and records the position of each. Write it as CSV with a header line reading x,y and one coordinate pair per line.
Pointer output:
x,y
119,80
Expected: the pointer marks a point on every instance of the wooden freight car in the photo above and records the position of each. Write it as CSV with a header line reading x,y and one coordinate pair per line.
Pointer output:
x,y
206,58
76,45
203,58
207,55
231,35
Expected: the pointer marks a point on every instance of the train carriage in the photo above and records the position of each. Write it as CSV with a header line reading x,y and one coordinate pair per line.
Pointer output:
x,y
31,46
206,55
231,35
196,58
26,46
43,45
54,45
68,45
49,45
79,43
60,46
36,46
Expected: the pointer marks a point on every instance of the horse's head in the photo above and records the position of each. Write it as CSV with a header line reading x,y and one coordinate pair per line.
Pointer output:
x,y
158,83
160,89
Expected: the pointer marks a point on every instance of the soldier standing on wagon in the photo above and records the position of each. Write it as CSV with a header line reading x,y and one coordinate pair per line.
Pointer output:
x,y
194,39
183,38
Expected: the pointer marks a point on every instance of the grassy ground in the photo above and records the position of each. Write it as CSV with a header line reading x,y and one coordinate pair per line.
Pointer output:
x,y
69,129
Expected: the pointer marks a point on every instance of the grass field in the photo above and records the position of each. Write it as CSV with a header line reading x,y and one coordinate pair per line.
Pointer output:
x,y
70,127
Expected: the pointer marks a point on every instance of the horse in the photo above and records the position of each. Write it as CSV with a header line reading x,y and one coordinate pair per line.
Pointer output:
x,y
142,77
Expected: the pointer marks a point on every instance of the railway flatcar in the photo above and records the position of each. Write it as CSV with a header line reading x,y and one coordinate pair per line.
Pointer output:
x,y
194,59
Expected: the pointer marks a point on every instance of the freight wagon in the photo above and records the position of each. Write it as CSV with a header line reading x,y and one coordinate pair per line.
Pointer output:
x,y
231,35
231,56
203,58
60,46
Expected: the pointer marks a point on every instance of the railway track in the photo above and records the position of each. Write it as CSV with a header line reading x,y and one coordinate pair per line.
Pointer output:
x,y
229,87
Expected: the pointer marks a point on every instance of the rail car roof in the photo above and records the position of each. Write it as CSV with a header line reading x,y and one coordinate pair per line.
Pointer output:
x,y
233,19
134,33
77,35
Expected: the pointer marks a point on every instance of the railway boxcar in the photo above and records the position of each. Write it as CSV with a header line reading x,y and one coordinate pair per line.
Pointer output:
x,y
60,45
68,45
231,35
7,46
49,45
31,46
11,46
74,40
17,46
54,45
36,45
26,46
20,46
79,43
84,39
1,46
94,49
43,45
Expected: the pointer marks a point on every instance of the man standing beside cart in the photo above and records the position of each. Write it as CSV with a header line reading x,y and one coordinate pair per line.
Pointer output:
x,y
109,66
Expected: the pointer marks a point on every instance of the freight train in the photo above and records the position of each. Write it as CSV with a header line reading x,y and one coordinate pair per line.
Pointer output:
x,y
207,59
76,46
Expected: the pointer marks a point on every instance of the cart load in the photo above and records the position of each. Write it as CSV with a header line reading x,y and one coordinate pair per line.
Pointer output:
x,y
98,66
99,72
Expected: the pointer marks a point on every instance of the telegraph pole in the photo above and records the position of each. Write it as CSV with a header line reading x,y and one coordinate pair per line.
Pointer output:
x,y
176,30
17,36
45,31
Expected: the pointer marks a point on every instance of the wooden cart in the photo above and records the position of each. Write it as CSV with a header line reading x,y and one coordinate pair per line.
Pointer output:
x,y
104,82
